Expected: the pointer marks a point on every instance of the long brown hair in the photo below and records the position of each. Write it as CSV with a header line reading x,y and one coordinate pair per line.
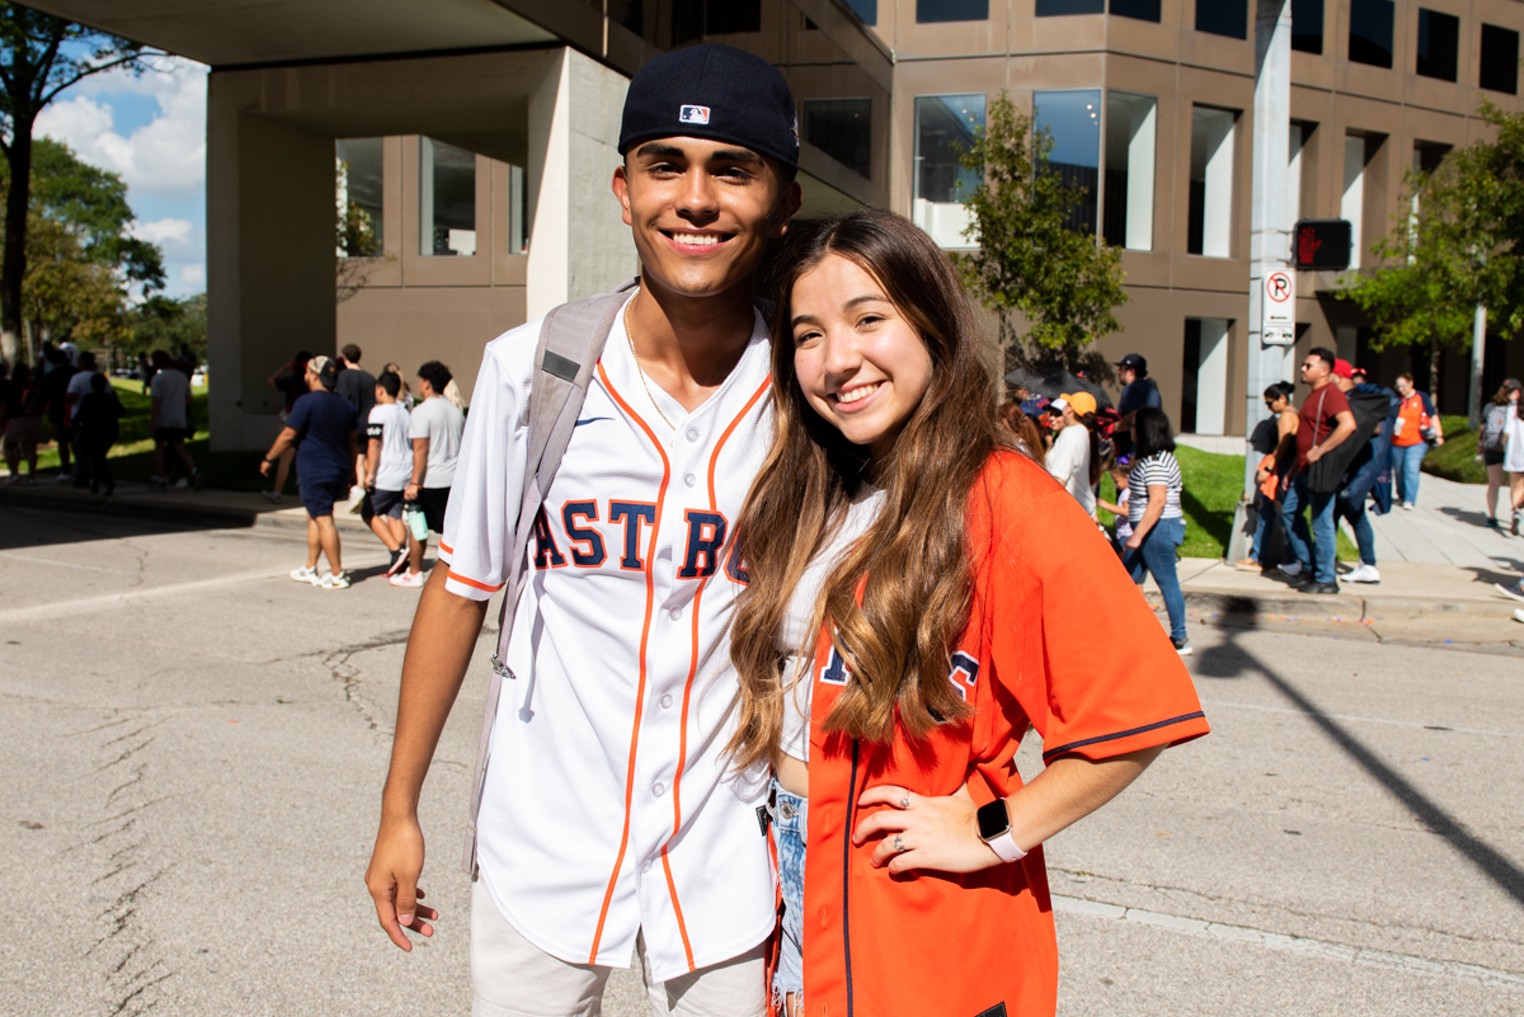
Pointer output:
x,y
912,564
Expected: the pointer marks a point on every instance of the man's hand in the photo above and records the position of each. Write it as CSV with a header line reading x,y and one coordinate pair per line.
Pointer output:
x,y
264,467
937,834
1314,454
410,492
392,879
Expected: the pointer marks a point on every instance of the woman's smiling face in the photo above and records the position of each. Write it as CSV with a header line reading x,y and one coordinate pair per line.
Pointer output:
x,y
859,361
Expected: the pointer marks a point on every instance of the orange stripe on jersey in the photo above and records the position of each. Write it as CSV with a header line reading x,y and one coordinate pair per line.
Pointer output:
x,y
640,690
452,574
446,548
693,659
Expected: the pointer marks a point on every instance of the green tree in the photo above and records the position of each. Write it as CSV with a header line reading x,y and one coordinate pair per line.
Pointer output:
x,y
1031,259
81,259
1463,247
164,323
40,57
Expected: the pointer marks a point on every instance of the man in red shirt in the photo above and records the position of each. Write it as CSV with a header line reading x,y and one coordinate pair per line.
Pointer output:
x,y
1323,423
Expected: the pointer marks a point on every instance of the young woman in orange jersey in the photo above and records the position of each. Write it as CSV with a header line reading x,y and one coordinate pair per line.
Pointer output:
x,y
921,594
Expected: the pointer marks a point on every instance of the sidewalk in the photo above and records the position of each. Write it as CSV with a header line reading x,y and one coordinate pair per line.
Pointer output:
x,y
1438,563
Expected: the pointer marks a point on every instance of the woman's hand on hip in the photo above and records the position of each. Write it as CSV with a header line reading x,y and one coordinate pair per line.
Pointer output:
x,y
922,832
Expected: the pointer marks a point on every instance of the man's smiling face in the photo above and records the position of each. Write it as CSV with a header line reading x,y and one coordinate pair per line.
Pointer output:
x,y
701,211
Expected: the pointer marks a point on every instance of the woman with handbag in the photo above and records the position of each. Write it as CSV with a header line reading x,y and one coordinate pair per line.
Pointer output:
x,y
1491,441
920,594
1271,478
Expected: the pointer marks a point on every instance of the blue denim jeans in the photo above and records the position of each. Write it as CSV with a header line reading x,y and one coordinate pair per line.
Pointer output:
x,y
1294,525
789,814
1405,470
1365,538
1321,508
1266,519
1157,557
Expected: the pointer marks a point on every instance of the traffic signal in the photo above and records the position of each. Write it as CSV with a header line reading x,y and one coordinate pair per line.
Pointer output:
x,y
1322,244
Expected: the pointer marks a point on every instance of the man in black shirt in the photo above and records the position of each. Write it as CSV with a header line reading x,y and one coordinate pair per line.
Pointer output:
x,y
357,385
1138,392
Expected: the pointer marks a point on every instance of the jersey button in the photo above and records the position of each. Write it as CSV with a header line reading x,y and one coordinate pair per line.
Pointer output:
x,y
690,479
693,434
676,614
659,790
666,701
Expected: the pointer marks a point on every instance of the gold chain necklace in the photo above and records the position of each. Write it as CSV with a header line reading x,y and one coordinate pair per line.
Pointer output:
x,y
629,334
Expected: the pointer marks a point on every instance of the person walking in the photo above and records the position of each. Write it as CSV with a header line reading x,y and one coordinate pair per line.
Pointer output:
x,y
1075,459
611,822
358,387
1491,442
388,466
919,595
434,429
1417,429
1324,422
290,379
1374,408
170,414
323,428
1139,392
78,387
1157,520
1513,462
25,404
97,424
1271,478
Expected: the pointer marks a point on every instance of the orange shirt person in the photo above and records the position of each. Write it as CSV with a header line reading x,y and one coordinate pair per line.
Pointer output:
x,y
932,594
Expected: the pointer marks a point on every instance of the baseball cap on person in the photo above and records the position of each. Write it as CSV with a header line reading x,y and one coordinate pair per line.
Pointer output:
x,y
1511,384
1081,402
1343,369
1058,405
716,92
1134,361
326,370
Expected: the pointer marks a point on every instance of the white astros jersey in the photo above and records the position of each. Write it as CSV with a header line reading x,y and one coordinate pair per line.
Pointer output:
x,y
609,806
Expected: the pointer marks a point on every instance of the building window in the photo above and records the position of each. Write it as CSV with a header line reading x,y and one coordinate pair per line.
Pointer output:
x,y
1131,137
694,19
1142,10
1307,25
518,218
446,199
1072,121
1500,60
1204,376
945,126
1296,166
357,169
1438,44
842,129
866,10
951,10
1359,157
1058,8
1223,17
1370,32
1211,209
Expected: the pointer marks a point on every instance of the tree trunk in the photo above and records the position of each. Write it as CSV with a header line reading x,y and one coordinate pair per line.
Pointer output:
x,y
13,267
1434,372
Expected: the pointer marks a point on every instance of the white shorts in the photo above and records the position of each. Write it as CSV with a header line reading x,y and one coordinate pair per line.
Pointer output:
x,y
511,977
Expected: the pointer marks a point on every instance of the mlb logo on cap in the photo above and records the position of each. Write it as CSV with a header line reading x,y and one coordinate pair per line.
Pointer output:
x,y
693,115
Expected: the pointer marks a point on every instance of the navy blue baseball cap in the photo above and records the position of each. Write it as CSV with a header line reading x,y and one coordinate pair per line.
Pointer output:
x,y
716,92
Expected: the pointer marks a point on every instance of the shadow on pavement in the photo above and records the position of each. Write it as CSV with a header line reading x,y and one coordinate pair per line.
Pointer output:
x,y
41,524
1231,661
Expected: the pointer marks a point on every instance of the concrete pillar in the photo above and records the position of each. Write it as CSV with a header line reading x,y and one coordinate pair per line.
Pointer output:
x,y
578,245
270,262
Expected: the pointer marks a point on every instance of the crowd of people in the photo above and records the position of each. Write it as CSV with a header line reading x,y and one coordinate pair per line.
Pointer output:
x,y
397,477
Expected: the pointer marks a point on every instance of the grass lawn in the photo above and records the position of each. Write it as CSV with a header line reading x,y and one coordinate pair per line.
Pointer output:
x,y
1212,486
1456,458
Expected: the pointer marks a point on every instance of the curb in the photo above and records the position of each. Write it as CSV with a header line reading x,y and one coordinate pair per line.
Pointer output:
x,y
178,508
1343,608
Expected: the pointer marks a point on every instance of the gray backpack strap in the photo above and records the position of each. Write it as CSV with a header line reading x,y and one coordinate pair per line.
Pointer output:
x,y
571,341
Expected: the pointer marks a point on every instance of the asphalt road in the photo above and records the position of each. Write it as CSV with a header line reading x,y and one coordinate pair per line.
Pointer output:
x,y
192,748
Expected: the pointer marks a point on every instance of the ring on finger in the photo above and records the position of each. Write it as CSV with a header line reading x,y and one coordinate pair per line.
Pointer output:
x,y
899,844
905,800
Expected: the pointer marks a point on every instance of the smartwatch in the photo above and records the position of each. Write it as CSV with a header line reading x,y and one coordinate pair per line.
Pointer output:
x,y
995,830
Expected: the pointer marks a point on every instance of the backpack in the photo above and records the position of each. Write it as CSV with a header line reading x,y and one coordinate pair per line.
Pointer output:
x,y
571,341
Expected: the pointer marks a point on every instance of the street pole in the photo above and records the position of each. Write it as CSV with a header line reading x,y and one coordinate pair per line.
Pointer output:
x,y
1478,359
1270,228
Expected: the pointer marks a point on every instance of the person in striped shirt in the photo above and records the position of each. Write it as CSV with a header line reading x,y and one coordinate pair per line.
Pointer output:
x,y
1158,524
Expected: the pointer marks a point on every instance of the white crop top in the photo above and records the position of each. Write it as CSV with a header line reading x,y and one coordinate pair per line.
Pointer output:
x,y
861,514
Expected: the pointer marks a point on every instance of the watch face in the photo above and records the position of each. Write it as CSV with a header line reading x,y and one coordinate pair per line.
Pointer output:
x,y
993,819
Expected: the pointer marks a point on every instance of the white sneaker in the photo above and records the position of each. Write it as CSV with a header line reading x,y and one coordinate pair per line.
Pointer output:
x,y
305,575
407,580
334,581
356,496
1362,574
1407,506
1518,614
182,483
1514,590
1290,568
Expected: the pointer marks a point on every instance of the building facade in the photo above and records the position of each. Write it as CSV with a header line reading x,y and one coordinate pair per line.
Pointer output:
x,y
465,148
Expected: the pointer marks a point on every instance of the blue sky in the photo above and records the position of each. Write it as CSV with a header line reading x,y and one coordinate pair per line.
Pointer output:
x,y
150,130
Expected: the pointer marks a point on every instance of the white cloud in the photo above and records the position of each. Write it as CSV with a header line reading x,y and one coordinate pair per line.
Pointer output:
x,y
193,277
167,155
163,231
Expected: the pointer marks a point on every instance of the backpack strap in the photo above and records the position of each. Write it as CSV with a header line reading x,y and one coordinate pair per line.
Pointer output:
x,y
571,340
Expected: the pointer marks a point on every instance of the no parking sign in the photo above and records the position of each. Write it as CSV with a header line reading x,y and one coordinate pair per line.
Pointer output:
x,y
1278,309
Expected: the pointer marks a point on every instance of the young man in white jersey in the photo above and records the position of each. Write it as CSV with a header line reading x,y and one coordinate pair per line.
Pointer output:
x,y
611,820
388,466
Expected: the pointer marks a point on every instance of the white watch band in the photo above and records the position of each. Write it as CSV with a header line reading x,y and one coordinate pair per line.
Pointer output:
x,y
1006,848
